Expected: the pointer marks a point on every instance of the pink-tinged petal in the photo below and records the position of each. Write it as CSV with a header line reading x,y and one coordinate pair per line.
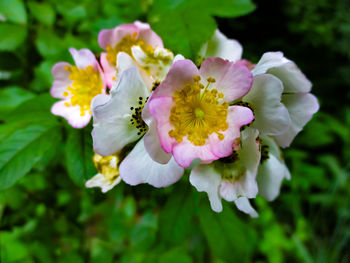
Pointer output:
x,y
220,46
206,179
294,81
61,80
237,116
71,113
151,38
84,58
111,37
109,70
180,73
185,153
244,205
138,167
234,80
301,107
271,116
153,147
269,60
160,108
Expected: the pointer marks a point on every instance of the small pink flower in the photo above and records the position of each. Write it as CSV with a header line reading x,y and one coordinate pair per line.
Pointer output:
x,y
121,39
76,86
192,112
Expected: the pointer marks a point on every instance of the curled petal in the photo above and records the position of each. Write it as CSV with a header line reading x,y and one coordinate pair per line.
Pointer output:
x,y
244,205
269,60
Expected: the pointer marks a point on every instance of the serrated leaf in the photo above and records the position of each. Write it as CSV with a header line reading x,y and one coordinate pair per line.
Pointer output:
x,y
11,97
175,218
24,149
13,11
12,36
227,236
43,12
79,156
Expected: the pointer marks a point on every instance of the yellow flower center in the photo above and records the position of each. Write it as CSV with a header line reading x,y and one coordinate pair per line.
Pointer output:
x,y
198,112
107,166
125,46
87,83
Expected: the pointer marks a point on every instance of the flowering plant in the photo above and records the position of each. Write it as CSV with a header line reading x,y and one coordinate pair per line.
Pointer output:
x,y
157,115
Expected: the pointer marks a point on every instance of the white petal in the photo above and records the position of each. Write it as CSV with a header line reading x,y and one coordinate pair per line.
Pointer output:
x,y
206,179
153,147
111,135
270,176
271,116
269,60
124,62
249,159
301,107
138,167
99,181
178,57
244,205
220,46
293,79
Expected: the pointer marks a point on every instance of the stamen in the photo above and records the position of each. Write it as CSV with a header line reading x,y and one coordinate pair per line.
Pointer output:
x,y
197,113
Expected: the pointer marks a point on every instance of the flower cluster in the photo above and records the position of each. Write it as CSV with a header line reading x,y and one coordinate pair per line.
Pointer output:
x,y
155,114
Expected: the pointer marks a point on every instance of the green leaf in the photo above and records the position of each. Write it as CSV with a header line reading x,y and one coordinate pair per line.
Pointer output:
x,y
175,256
184,32
175,218
79,156
227,236
43,12
13,11
49,44
36,110
230,8
11,97
12,36
24,149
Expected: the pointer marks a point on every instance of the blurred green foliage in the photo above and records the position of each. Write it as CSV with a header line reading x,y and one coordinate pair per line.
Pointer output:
x,y
46,214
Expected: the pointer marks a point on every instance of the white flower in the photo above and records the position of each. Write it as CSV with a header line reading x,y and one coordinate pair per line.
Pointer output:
x,y
232,178
118,122
286,83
